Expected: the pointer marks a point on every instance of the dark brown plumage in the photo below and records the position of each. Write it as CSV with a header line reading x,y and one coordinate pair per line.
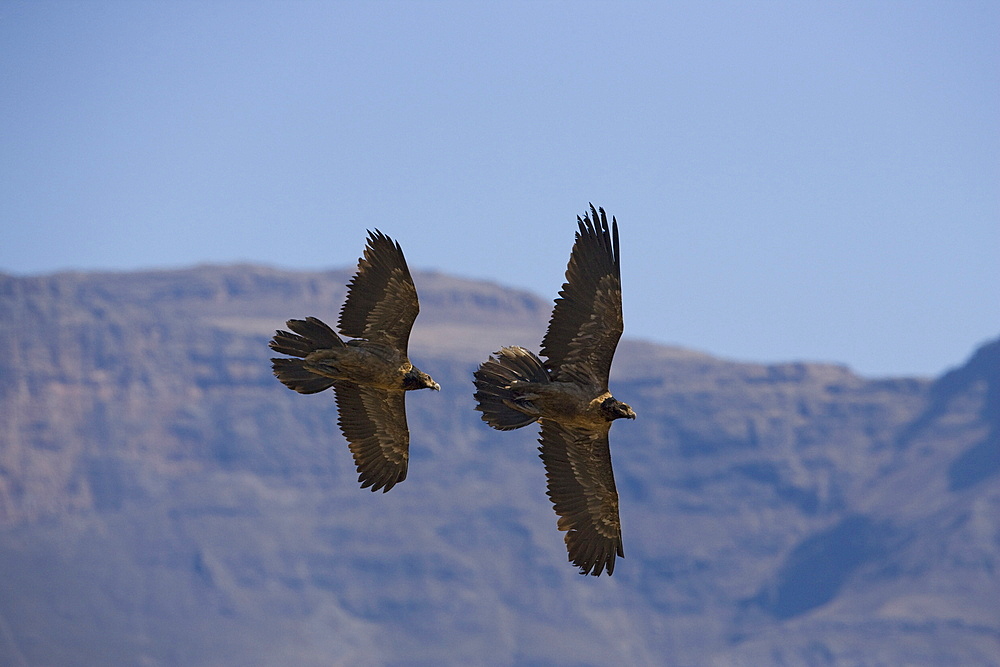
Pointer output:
x,y
370,374
568,394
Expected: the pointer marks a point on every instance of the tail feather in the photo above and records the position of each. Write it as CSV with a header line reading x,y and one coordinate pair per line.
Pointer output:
x,y
293,374
316,330
493,380
285,342
309,335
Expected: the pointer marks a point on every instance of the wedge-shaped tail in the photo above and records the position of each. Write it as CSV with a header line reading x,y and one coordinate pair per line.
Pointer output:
x,y
306,336
495,393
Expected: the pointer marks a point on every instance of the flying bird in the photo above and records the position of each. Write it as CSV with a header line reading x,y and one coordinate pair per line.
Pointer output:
x,y
568,393
370,374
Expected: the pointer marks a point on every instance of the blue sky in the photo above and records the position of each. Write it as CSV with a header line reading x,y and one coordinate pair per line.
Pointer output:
x,y
793,181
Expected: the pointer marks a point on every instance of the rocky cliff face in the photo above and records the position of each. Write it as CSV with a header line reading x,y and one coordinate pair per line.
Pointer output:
x,y
165,501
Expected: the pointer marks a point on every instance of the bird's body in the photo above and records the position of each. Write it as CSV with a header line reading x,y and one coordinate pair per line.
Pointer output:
x,y
369,374
522,400
361,362
564,402
568,394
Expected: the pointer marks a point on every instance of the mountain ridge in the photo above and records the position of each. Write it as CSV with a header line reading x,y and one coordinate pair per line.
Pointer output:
x,y
163,500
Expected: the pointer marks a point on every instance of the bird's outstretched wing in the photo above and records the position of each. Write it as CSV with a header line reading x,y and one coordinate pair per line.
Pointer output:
x,y
586,321
381,300
374,422
581,486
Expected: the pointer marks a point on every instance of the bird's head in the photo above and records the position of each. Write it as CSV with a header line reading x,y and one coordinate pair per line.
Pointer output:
x,y
615,409
417,379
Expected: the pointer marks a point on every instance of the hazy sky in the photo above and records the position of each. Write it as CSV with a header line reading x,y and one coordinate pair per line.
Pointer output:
x,y
793,181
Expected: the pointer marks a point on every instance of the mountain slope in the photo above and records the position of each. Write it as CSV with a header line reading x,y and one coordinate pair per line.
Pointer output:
x,y
165,501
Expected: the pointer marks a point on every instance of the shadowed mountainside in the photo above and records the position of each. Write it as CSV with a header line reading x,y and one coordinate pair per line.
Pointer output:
x,y
165,501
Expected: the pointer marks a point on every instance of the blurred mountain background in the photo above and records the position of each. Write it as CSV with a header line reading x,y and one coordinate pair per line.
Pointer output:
x,y
165,501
